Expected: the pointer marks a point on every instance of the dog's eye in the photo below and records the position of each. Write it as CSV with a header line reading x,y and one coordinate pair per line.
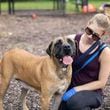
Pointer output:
x,y
58,43
69,41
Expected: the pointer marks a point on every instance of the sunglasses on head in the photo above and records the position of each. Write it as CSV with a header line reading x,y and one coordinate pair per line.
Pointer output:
x,y
95,36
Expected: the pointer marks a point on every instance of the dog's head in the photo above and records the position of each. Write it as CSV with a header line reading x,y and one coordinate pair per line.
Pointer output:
x,y
63,50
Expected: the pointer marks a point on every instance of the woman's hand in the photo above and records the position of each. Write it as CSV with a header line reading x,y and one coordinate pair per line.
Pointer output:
x,y
67,95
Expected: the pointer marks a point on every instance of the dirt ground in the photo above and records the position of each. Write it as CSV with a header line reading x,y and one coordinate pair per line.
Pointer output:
x,y
34,35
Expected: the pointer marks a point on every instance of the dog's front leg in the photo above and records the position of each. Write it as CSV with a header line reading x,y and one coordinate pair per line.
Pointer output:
x,y
45,102
61,88
46,97
57,101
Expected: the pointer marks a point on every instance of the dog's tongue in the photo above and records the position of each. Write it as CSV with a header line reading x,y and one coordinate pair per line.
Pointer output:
x,y
67,60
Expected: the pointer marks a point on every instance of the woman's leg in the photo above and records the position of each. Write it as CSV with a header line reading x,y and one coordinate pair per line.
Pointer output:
x,y
62,106
87,108
84,100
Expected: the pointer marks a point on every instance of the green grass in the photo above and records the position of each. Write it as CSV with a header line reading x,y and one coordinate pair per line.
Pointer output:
x,y
30,5
43,4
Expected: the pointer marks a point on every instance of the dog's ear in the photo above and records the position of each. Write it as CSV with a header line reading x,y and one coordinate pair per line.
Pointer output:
x,y
49,49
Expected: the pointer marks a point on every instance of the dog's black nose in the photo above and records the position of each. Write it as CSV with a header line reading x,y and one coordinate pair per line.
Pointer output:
x,y
66,47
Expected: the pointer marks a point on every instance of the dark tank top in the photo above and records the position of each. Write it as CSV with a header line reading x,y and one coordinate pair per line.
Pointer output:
x,y
87,74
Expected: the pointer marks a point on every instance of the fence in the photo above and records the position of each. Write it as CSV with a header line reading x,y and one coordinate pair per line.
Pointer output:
x,y
57,6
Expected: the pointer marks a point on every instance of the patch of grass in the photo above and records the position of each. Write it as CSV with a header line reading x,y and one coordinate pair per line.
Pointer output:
x,y
44,4
29,5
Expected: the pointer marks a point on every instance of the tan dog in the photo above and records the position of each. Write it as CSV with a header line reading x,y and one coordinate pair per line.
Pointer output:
x,y
49,74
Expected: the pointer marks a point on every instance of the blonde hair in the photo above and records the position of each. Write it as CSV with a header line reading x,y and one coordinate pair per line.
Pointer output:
x,y
102,20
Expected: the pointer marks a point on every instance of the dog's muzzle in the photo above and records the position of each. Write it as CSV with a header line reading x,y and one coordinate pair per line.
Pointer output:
x,y
65,54
67,58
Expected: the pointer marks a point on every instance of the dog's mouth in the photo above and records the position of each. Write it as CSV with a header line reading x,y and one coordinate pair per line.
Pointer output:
x,y
66,60
65,55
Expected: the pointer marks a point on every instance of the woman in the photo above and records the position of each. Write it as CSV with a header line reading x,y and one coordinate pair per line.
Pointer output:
x,y
85,91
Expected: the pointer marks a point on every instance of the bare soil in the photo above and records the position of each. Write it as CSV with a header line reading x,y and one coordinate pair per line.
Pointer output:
x,y
34,35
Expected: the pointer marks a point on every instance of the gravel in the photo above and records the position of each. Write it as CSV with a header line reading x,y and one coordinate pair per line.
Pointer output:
x,y
34,35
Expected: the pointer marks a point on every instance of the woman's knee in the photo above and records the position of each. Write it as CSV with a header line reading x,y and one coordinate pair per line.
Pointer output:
x,y
80,100
98,103
74,104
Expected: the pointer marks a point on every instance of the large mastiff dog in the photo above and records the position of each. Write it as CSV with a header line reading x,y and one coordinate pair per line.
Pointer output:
x,y
49,74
